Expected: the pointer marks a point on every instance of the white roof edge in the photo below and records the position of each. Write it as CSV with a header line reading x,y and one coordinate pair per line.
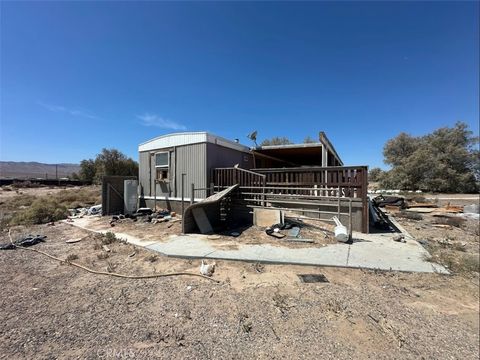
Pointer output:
x,y
286,146
187,138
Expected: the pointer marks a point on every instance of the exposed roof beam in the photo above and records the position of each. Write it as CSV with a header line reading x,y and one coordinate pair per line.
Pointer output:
x,y
328,145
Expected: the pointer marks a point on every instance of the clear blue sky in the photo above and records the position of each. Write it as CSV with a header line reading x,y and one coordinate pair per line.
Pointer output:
x,y
79,76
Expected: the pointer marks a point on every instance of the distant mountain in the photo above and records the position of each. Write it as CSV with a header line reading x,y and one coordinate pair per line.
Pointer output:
x,y
22,170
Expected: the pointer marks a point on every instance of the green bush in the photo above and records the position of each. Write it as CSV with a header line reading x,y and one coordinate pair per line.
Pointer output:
x,y
41,211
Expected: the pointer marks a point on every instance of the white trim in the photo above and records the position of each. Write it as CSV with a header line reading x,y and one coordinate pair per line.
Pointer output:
x,y
187,138
169,198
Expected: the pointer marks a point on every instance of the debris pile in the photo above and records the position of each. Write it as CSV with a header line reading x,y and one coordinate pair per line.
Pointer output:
x,y
78,213
146,215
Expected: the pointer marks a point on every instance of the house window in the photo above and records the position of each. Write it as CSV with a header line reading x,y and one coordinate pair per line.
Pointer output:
x,y
161,166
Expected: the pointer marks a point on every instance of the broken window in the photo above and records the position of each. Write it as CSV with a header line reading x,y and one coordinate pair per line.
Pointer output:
x,y
162,166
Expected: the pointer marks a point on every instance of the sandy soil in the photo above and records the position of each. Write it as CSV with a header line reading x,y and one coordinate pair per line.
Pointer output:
x,y
55,310
51,309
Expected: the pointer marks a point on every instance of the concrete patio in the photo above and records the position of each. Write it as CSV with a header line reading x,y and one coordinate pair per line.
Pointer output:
x,y
368,251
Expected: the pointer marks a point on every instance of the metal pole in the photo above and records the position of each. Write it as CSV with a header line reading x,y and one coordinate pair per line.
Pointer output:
x,y
183,191
192,193
155,195
211,188
350,218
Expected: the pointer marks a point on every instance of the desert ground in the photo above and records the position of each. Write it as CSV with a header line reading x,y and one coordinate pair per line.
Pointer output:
x,y
53,309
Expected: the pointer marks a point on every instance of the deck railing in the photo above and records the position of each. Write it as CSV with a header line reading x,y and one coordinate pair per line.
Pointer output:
x,y
298,186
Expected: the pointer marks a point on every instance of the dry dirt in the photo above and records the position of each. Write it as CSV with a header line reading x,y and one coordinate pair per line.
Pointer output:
x,y
55,310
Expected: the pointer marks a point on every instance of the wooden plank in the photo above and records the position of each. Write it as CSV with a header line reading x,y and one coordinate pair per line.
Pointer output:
x,y
202,220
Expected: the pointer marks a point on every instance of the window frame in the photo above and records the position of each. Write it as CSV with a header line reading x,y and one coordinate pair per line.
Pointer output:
x,y
162,167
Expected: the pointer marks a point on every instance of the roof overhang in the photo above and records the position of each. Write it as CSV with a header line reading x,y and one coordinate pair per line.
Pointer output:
x,y
188,138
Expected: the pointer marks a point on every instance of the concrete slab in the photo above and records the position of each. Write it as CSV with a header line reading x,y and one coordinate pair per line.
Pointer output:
x,y
368,251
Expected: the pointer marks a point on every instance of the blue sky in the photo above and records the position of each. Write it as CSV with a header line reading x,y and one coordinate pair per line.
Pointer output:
x,y
79,76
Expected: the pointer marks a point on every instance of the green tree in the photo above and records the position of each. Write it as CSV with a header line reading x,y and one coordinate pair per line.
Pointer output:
x,y
114,162
443,161
276,140
87,170
375,174
108,162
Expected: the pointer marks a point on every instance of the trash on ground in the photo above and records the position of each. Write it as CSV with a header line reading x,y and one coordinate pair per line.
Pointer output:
x,y
72,241
399,238
341,233
25,241
207,269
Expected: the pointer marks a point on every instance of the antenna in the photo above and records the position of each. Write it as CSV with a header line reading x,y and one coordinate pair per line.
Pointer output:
x,y
253,136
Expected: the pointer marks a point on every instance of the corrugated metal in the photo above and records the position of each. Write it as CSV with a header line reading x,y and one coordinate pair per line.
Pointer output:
x,y
219,156
144,173
191,160
188,138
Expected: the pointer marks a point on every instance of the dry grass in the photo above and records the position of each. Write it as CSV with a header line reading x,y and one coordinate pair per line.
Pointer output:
x,y
28,209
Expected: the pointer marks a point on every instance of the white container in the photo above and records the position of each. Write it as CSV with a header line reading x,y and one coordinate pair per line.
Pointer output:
x,y
130,196
341,233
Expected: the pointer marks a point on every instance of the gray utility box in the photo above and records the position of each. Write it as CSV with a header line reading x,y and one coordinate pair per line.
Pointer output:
x,y
130,196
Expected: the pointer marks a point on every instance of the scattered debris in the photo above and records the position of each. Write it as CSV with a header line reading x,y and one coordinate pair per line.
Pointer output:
x,y
25,241
399,238
381,201
313,278
207,269
132,254
258,267
72,241
294,232
106,248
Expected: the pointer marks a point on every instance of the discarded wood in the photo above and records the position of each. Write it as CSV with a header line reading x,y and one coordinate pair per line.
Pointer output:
x,y
422,205
442,226
392,208
106,248
173,222
202,220
132,254
277,235
72,241
424,210
299,240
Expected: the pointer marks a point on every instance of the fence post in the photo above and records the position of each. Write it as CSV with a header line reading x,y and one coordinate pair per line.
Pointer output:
x,y
183,197
192,194
212,188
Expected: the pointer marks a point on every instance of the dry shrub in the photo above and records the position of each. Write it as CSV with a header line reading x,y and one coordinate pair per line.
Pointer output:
x,y
74,198
109,238
42,210
71,257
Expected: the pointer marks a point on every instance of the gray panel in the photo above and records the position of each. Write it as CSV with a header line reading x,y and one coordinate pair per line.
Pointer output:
x,y
144,173
219,156
191,160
